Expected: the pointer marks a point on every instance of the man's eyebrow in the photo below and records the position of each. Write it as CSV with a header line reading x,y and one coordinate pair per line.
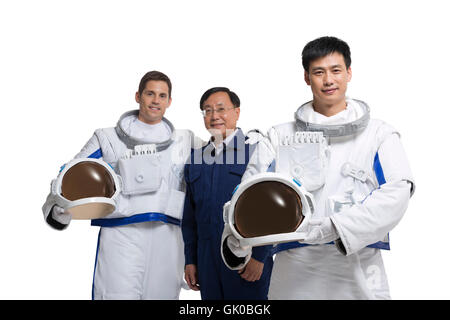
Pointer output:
x,y
153,92
317,68
220,104
323,68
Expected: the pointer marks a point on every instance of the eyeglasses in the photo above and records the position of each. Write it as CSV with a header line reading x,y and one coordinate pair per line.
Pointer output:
x,y
220,111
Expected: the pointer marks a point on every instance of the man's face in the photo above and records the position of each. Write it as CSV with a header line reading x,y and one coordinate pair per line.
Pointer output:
x,y
328,77
223,116
153,101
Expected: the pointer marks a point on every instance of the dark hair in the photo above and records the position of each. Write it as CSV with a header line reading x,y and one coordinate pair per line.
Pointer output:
x,y
322,47
233,96
155,76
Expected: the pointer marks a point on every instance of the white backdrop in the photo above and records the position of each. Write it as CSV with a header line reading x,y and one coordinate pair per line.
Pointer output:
x,y
69,67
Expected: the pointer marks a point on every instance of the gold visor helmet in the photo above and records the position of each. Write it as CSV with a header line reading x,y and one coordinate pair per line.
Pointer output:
x,y
268,208
87,188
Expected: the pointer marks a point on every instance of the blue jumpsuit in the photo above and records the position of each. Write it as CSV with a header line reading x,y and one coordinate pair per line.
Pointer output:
x,y
210,181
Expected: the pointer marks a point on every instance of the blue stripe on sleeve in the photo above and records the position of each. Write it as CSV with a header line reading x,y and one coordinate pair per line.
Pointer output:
x,y
97,154
378,170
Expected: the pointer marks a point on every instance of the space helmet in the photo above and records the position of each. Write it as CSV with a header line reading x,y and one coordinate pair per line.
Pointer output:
x,y
87,188
268,208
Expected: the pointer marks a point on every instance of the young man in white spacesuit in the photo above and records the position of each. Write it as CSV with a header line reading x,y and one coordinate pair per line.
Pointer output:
x,y
358,172
140,247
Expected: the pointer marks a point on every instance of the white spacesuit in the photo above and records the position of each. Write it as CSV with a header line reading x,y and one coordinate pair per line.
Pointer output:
x,y
358,173
140,247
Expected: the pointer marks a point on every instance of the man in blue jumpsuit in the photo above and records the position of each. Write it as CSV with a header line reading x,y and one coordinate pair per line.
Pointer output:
x,y
212,174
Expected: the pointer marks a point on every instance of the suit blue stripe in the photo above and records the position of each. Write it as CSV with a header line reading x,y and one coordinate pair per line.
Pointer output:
x,y
378,170
296,244
142,217
97,154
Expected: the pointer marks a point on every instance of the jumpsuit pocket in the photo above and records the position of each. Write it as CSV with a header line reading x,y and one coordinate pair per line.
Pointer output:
x,y
195,184
306,162
193,175
140,174
238,170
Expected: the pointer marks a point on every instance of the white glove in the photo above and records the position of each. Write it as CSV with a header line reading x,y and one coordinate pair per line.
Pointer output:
x,y
320,231
237,249
60,215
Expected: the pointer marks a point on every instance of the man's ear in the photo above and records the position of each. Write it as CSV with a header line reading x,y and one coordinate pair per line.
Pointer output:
x,y
306,76
137,97
238,112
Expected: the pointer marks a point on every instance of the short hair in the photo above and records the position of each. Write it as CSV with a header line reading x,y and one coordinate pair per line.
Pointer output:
x,y
233,96
322,47
155,76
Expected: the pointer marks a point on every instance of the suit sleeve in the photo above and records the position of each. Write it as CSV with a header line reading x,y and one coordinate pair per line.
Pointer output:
x,y
262,157
261,253
189,224
369,221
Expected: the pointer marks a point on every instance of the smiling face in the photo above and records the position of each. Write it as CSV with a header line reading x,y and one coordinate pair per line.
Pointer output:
x,y
328,77
222,121
153,101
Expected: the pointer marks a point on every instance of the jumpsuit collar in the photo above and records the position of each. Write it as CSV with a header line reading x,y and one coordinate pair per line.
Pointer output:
x,y
238,139
335,130
236,136
131,141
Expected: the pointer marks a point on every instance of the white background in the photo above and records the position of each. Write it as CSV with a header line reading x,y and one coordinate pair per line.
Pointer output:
x,y
69,67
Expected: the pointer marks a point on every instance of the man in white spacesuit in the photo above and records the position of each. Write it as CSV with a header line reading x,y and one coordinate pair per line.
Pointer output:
x,y
358,173
140,247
